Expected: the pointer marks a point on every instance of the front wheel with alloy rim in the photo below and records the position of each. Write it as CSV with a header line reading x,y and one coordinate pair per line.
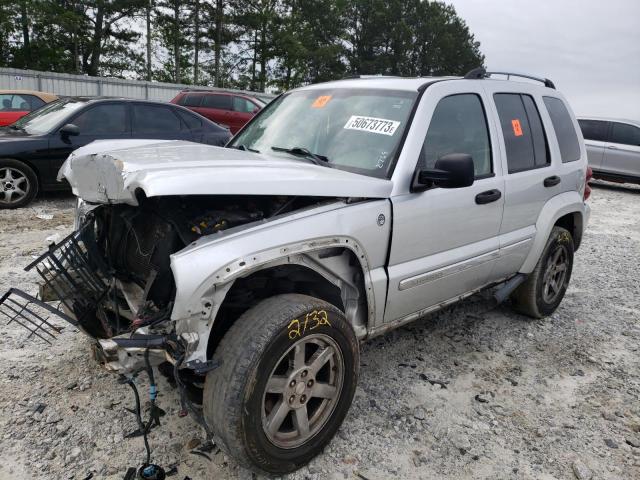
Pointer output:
x,y
18,184
545,287
289,368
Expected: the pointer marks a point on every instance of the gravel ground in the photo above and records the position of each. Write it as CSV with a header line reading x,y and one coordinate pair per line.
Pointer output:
x,y
522,399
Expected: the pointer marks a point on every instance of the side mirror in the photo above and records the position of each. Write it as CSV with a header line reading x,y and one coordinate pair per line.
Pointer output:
x,y
450,171
70,130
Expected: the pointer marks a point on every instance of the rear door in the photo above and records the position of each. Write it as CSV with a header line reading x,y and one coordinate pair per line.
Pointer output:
x,y
622,153
595,133
218,107
158,121
445,241
530,180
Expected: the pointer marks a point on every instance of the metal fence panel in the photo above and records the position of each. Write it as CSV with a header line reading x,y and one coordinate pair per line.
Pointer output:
x,y
84,85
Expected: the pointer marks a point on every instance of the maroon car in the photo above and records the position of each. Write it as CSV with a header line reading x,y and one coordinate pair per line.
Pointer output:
x,y
228,109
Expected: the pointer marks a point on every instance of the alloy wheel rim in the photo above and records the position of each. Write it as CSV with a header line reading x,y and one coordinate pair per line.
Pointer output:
x,y
555,274
14,185
302,391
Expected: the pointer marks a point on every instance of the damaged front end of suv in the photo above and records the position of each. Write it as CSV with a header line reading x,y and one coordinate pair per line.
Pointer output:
x,y
175,240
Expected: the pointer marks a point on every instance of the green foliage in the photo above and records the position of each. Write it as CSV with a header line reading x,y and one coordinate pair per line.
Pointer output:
x,y
252,44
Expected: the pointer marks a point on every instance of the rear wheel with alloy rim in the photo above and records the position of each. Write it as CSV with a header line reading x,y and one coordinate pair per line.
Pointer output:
x,y
545,287
18,184
287,378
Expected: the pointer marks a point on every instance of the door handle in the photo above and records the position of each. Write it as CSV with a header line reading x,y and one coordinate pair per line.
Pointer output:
x,y
612,147
488,196
552,181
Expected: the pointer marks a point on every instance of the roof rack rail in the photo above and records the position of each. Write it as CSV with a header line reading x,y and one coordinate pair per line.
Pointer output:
x,y
480,72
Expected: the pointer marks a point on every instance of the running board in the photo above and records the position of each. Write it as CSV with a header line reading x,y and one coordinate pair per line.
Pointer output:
x,y
509,286
32,314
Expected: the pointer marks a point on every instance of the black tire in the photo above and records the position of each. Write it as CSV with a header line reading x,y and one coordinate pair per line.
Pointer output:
x,y
28,184
531,297
235,393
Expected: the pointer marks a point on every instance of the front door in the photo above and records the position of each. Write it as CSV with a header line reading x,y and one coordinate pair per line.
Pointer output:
x,y
445,241
622,153
103,121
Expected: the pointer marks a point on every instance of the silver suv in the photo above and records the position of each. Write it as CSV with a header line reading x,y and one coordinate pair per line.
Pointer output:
x,y
341,211
613,148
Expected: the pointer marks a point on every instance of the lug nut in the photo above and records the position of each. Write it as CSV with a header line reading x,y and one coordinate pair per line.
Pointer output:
x,y
303,398
310,383
304,373
292,398
292,383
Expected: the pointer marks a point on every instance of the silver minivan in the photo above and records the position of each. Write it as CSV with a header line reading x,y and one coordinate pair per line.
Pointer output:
x,y
613,148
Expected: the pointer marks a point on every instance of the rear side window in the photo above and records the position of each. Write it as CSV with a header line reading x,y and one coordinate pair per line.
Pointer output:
x,y
625,134
594,130
565,131
36,102
192,121
154,119
222,102
524,138
458,125
191,100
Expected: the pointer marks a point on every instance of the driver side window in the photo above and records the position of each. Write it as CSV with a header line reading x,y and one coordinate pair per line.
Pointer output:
x,y
458,125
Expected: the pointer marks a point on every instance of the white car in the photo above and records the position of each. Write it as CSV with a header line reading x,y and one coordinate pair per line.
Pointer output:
x,y
613,148
341,211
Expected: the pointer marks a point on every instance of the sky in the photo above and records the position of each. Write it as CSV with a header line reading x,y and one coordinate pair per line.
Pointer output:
x,y
590,49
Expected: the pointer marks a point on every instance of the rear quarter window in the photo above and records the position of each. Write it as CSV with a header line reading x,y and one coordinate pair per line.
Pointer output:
x,y
565,131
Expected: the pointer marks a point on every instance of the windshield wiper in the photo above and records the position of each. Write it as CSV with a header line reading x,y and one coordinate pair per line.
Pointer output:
x,y
304,152
245,148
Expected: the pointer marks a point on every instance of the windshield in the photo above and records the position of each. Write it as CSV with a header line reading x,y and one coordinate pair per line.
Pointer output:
x,y
353,129
44,119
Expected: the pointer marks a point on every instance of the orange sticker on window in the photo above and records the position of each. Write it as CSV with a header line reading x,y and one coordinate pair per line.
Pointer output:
x,y
321,101
517,129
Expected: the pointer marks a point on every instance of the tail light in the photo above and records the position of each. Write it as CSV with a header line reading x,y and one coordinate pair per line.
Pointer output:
x,y
587,188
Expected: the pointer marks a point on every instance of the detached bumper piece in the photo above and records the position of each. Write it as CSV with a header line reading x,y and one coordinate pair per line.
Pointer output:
x,y
72,275
32,314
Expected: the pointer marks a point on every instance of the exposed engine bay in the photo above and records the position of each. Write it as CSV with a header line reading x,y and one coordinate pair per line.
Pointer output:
x,y
134,244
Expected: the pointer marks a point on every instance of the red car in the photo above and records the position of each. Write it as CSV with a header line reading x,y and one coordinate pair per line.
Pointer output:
x,y
17,103
228,109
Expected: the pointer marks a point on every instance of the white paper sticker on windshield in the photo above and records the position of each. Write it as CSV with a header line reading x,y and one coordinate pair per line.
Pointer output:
x,y
372,124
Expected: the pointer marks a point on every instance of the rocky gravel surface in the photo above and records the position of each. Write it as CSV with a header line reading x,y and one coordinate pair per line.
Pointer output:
x,y
472,392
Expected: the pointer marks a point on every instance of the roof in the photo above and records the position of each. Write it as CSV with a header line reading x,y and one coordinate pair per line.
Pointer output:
x,y
119,99
46,96
605,119
383,82
412,84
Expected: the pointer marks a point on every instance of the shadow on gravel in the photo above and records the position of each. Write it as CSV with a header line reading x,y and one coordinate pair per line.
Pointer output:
x,y
617,187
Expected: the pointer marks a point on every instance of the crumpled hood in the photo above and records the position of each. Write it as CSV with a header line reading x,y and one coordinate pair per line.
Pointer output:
x,y
110,171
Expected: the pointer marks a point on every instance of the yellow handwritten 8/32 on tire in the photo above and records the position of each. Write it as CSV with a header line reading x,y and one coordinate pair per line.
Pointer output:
x,y
312,320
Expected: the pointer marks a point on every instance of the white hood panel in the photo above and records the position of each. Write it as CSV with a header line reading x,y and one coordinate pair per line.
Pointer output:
x,y
110,171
